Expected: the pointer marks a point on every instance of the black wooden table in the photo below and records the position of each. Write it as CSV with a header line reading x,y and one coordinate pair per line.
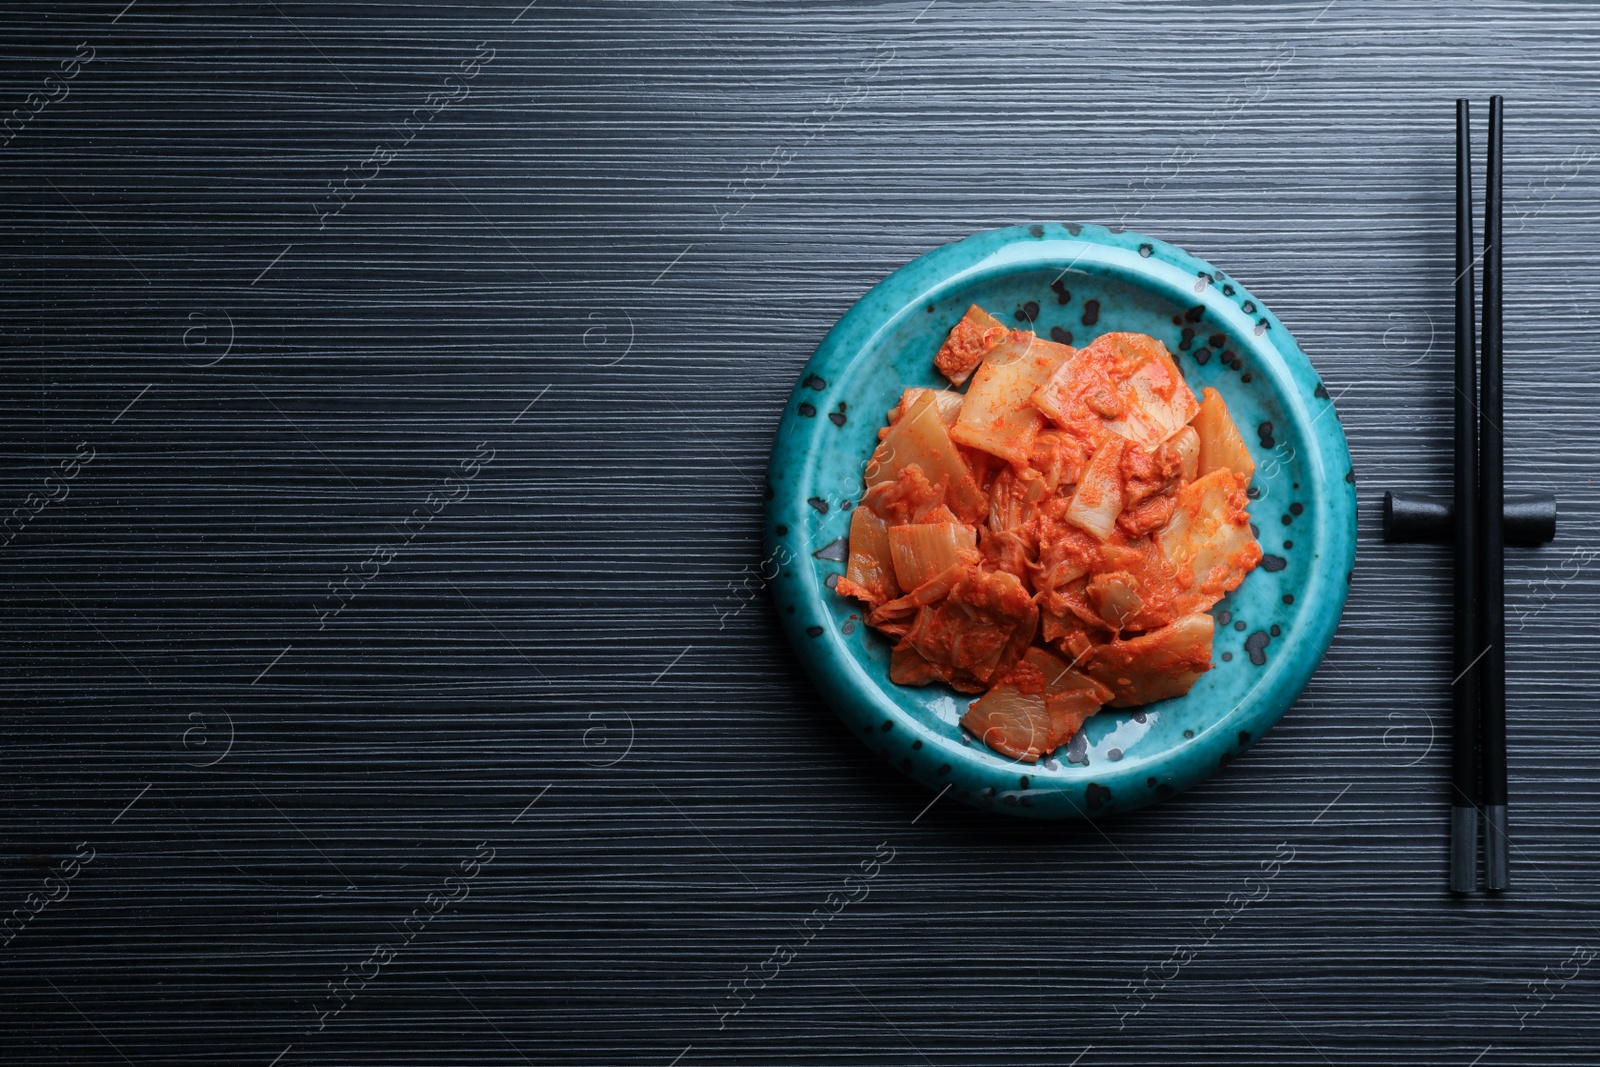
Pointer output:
x,y
388,677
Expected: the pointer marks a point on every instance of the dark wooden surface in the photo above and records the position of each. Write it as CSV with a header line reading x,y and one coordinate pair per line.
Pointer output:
x,y
580,291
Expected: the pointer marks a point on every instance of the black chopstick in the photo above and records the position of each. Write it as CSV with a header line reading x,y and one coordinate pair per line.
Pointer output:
x,y
1464,692
1491,531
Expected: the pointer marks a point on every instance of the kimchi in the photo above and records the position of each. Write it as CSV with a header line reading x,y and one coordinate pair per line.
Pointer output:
x,y
1052,539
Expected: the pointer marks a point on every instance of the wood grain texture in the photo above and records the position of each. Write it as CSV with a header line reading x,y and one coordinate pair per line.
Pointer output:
x,y
579,291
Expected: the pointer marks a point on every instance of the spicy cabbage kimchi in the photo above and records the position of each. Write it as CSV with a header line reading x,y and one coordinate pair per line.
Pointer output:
x,y
1053,537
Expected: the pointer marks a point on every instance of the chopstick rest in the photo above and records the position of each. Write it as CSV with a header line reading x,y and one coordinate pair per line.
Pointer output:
x,y
1530,521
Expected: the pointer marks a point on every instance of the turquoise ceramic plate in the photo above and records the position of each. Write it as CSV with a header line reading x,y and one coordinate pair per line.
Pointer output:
x,y
1073,283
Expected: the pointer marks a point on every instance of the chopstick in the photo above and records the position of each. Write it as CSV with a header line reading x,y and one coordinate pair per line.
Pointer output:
x,y
1491,529
1464,692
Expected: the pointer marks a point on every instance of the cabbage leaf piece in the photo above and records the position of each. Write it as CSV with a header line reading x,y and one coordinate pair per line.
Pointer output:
x,y
1220,443
1158,665
1120,383
1207,545
969,341
1036,708
925,550
1097,501
998,415
919,438
869,576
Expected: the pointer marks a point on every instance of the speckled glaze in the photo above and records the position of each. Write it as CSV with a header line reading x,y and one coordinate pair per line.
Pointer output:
x,y
1072,283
